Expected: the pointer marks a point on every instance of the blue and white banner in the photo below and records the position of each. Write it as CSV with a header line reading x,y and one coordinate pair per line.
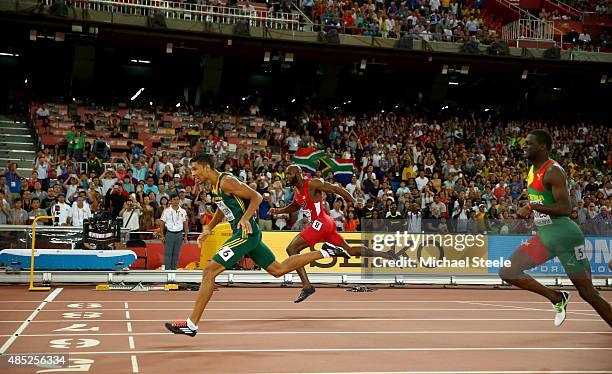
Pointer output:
x,y
598,250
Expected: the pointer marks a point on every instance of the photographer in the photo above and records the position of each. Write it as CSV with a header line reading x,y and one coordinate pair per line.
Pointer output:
x,y
115,199
131,213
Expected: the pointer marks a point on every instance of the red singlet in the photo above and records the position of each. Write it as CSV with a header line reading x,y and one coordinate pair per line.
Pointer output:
x,y
322,227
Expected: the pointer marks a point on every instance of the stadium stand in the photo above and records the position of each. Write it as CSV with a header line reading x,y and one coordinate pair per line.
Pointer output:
x,y
463,173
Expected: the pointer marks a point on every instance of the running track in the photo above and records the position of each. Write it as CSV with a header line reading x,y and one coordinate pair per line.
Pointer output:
x,y
260,330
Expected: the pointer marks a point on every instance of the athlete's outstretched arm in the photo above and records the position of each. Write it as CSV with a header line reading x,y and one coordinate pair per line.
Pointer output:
x,y
555,177
319,184
293,207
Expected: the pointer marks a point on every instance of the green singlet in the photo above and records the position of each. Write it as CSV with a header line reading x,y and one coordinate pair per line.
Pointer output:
x,y
233,209
558,236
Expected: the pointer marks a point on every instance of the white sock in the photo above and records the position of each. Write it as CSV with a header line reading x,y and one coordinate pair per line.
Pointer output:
x,y
324,253
191,325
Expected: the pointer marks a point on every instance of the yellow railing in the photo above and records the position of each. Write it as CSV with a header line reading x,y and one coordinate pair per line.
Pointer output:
x,y
32,288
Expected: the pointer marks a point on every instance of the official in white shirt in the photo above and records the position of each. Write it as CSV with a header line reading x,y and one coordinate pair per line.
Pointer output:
x,y
79,212
174,227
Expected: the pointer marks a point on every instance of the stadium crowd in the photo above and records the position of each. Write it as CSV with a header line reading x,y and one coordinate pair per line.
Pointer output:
x,y
433,173
430,20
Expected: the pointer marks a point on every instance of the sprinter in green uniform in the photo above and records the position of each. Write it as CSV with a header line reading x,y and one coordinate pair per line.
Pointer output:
x,y
237,203
557,235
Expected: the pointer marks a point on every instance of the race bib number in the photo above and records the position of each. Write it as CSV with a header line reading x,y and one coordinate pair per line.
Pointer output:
x,y
317,225
580,252
227,212
541,219
226,253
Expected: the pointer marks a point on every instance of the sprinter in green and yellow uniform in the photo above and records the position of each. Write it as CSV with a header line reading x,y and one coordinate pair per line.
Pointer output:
x,y
237,203
557,235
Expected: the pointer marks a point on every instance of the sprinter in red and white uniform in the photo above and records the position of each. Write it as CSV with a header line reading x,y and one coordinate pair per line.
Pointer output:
x,y
308,195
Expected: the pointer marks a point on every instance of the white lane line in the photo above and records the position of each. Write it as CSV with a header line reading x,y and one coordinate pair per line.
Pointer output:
x,y
25,323
472,372
500,308
421,319
315,301
134,360
521,308
134,364
300,350
407,332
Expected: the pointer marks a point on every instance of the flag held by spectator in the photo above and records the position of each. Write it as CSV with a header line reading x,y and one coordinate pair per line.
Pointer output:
x,y
308,158
343,169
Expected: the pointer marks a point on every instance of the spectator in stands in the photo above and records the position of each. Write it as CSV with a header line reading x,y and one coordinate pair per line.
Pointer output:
x,y
281,220
36,210
49,201
293,142
115,198
70,141
42,113
572,37
139,170
38,191
265,219
151,187
79,146
79,212
128,184
161,194
301,223
351,223
71,186
94,164
584,38
18,215
42,169
147,216
337,214
62,210
185,201
13,181
5,210
109,179
130,214
188,180
603,222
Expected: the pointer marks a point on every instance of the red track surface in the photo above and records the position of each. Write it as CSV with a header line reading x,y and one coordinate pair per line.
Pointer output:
x,y
260,330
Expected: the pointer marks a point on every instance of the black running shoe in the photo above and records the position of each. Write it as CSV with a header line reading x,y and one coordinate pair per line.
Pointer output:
x,y
181,328
334,251
304,294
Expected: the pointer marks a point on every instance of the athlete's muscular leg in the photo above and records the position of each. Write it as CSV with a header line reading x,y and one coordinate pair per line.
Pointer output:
x,y
294,262
363,251
296,246
584,284
207,286
516,276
